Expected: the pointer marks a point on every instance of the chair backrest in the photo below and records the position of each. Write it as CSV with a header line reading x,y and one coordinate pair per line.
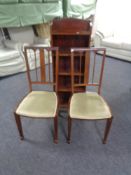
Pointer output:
x,y
87,65
45,65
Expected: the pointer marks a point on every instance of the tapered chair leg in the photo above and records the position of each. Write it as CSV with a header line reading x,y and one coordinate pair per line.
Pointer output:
x,y
107,129
19,125
69,129
56,130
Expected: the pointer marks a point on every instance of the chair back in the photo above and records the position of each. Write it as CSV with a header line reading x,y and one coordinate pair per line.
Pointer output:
x,y
42,65
87,65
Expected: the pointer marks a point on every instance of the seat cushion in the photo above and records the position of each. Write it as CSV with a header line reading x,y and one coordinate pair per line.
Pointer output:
x,y
117,43
10,44
112,42
38,104
8,54
89,105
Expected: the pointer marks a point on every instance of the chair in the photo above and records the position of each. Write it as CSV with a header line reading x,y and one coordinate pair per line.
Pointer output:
x,y
39,103
88,105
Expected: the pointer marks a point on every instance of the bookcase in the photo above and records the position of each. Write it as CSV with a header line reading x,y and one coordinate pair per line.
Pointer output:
x,y
67,33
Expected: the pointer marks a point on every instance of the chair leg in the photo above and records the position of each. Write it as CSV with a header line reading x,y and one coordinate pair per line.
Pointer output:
x,y
56,129
107,129
69,129
19,126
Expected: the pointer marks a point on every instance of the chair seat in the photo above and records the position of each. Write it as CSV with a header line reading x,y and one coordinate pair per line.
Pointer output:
x,y
38,104
89,105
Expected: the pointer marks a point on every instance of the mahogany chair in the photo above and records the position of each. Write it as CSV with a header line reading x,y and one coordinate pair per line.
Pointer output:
x,y
40,104
89,105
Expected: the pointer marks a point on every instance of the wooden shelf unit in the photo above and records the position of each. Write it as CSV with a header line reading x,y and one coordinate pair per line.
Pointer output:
x,y
67,33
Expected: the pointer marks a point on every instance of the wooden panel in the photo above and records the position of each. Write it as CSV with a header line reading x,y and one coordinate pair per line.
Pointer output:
x,y
70,25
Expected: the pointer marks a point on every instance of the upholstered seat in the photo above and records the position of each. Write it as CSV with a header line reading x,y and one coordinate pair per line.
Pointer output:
x,y
89,105
38,104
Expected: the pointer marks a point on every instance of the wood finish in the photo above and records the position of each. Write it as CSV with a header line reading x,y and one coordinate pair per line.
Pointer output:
x,y
65,34
42,74
90,77
19,125
107,129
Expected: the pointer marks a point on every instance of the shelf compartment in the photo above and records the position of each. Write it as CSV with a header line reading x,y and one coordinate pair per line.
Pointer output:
x,y
64,83
62,41
64,98
65,64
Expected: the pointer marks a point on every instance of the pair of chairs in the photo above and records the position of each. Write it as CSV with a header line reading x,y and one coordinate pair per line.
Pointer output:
x,y
44,104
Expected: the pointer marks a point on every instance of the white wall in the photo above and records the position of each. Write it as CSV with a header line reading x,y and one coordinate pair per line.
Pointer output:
x,y
113,16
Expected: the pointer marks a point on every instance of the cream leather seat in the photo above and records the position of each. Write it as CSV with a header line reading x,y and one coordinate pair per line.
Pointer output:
x,y
38,104
89,105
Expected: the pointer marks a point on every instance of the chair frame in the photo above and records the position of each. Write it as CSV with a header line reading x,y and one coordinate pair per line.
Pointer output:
x,y
43,82
85,84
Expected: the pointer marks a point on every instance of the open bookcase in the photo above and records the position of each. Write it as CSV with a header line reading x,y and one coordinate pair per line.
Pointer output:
x,y
67,33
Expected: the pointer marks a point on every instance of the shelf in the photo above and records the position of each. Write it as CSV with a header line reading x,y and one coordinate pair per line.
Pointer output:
x,y
80,89
64,73
63,105
71,33
64,90
65,54
69,74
